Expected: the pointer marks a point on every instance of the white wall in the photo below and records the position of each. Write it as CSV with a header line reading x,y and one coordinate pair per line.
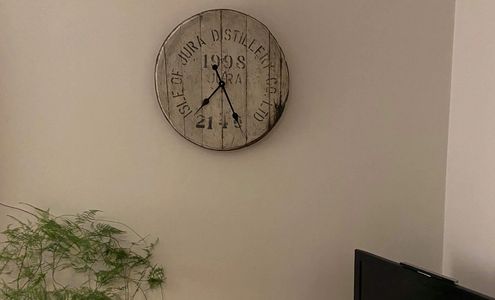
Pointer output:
x,y
357,160
469,253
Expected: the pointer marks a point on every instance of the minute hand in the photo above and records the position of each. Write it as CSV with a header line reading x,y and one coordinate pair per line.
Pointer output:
x,y
222,85
234,114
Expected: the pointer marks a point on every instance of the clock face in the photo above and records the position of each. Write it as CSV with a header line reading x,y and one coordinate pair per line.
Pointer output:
x,y
221,79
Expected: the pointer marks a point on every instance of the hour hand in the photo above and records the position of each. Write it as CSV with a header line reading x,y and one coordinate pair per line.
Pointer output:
x,y
206,101
203,104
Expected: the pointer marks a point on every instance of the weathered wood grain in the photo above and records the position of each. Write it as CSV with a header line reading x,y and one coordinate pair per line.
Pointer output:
x,y
274,79
234,76
257,45
161,83
192,78
212,137
252,65
284,85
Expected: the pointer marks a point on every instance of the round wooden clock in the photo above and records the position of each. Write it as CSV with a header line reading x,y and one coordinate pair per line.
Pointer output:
x,y
221,79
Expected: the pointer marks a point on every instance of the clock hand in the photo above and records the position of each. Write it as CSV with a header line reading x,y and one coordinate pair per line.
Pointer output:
x,y
235,116
207,100
221,84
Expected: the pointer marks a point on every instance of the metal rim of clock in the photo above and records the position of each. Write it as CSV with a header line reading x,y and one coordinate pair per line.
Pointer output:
x,y
156,80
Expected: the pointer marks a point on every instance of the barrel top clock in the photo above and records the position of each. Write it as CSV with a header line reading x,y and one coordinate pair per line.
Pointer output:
x,y
221,79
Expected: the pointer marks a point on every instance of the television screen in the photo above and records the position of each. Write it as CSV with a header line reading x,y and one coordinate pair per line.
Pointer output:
x,y
377,278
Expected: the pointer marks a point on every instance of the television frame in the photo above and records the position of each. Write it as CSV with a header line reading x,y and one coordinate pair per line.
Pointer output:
x,y
449,283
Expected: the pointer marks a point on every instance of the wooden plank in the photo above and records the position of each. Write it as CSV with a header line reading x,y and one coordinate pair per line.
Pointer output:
x,y
212,113
233,73
284,83
274,77
257,46
161,82
178,106
192,78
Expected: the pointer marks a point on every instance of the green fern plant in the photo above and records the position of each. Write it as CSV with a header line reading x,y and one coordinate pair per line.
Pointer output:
x,y
76,257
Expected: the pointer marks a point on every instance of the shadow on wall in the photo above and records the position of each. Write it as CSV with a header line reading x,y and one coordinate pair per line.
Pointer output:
x,y
473,276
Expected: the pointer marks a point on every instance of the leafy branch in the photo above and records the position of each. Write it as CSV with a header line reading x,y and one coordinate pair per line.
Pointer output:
x,y
77,257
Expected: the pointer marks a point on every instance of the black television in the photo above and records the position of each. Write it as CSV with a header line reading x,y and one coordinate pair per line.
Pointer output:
x,y
377,278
